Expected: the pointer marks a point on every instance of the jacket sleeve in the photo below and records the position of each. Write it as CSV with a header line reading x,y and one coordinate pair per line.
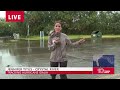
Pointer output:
x,y
69,42
51,45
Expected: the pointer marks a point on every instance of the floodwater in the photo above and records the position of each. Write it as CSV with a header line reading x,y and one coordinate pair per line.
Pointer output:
x,y
31,54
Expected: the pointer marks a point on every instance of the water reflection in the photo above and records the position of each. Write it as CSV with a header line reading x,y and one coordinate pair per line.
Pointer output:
x,y
29,54
28,48
7,59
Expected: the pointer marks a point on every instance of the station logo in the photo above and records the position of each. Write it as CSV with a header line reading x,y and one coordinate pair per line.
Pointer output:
x,y
103,64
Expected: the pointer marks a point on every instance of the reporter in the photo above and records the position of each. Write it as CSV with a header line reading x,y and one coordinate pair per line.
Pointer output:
x,y
57,44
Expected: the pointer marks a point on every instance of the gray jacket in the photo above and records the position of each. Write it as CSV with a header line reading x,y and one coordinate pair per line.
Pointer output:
x,y
58,52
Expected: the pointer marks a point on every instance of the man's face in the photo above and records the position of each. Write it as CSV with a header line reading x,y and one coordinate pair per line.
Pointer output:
x,y
57,27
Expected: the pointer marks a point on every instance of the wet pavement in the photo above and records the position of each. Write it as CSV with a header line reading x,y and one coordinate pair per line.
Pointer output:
x,y
30,54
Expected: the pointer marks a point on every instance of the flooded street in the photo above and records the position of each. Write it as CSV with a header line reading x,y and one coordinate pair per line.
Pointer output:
x,y
30,54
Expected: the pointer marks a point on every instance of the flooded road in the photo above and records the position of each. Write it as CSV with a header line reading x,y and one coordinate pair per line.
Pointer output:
x,y
30,54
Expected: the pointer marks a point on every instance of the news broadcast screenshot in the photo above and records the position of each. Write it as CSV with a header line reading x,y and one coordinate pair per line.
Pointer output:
x,y
59,45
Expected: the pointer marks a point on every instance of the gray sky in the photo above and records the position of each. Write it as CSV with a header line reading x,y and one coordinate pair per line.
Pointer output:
x,y
2,14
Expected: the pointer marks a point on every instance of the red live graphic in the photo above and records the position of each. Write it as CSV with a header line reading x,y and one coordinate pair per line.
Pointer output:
x,y
14,16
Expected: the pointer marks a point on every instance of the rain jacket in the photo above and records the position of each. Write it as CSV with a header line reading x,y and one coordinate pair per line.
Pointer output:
x,y
58,52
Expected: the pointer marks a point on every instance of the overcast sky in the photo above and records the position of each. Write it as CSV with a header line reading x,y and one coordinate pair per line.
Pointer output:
x,y
2,14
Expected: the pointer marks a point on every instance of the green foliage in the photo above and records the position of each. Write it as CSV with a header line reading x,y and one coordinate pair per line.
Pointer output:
x,y
73,22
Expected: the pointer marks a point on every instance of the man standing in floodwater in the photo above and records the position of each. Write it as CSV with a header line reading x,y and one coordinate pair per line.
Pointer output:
x,y
57,44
